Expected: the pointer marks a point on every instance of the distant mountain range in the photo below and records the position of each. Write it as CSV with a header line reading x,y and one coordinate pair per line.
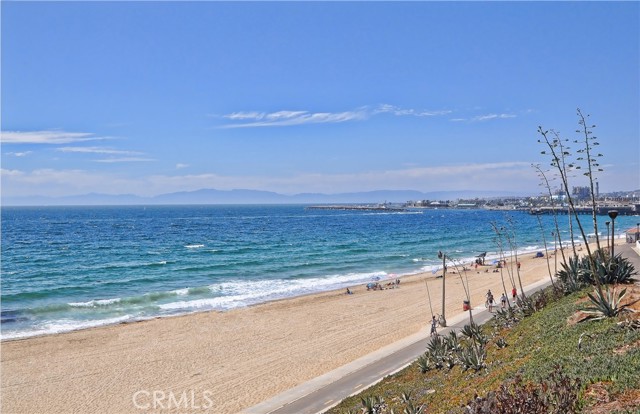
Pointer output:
x,y
210,196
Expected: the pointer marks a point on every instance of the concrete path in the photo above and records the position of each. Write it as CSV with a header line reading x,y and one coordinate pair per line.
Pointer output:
x,y
631,251
326,391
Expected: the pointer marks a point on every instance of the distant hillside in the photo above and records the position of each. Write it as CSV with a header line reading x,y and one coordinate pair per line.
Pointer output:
x,y
212,196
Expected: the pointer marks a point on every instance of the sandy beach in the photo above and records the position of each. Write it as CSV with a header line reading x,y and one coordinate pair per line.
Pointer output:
x,y
225,362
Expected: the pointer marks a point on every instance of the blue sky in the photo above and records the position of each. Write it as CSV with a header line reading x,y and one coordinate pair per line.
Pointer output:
x,y
153,97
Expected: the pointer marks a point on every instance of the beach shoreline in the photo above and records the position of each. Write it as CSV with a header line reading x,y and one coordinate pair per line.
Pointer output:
x,y
233,359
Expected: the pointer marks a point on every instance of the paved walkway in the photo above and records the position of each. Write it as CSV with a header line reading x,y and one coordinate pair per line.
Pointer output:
x,y
630,251
326,391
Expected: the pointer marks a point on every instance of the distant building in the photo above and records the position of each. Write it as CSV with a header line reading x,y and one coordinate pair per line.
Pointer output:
x,y
581,193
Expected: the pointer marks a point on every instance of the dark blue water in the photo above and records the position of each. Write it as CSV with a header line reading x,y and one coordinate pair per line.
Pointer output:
x,y
67,268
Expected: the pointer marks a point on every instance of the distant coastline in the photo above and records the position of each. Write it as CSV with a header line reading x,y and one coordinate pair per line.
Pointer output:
x,y
498,200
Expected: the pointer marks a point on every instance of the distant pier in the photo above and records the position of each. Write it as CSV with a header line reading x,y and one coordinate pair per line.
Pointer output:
x,y
600,210
358,207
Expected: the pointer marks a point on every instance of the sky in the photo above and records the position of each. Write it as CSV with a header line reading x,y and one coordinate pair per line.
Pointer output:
x,y
148,98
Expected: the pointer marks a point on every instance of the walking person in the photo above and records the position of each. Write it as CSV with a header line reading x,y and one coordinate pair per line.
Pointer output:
x,y
503,300
514,293
490,300
434,324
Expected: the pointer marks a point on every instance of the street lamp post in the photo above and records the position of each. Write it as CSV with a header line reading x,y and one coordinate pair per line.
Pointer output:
x,y
608,247
637,231
443,321
613,214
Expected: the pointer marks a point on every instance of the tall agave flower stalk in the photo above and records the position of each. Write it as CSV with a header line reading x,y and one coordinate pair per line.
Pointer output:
x,y
592,164
546,251
555,214
465,287
511,239
498,241
558,152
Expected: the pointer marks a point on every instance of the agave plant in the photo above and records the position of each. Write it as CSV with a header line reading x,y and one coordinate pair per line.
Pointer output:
x,y
410,408
615,270
452,341
425,364
507,317
606,304
373,405
474,333
573,274
437,351
501,343
473,357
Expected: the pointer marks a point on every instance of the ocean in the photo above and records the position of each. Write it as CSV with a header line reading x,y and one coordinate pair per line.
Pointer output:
x,y
68,268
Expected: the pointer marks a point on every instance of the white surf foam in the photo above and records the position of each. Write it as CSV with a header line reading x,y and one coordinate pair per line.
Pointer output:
x,y
94,303
238,293
63,325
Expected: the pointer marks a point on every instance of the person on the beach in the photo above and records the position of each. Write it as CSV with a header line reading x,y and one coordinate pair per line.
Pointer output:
x,y
514,293
349,292
434,323
503,300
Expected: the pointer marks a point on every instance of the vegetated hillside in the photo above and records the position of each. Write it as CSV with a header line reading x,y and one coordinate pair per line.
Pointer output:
x,y
551,361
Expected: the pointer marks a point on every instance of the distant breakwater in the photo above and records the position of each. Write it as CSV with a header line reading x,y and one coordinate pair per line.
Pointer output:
x,y
600,210
359,208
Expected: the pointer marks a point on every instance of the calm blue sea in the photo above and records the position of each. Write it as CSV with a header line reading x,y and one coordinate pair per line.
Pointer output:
x,y
66,268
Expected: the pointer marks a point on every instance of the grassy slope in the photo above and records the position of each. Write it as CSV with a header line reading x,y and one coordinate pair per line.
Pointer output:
x,y
609,357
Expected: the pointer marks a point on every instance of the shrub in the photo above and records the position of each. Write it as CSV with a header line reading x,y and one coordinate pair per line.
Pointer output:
x,y
508,317
556,395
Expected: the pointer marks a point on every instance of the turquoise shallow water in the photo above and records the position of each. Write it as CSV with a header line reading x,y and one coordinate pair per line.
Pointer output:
x,y
66,268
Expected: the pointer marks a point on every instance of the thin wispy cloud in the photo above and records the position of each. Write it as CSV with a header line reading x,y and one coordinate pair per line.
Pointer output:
x,y
19,154
492,116
482,118
180,166
46,137
125,159
288,118
254,119
97,150
395,110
